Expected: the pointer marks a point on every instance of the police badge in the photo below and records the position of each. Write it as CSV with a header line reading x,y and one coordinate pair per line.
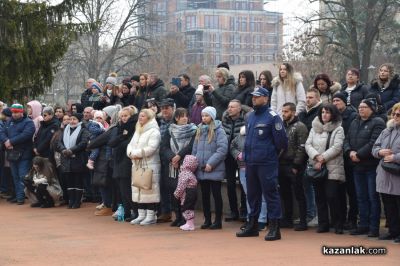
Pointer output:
x,y
278,126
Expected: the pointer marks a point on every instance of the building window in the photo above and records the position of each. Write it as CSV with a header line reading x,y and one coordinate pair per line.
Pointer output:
x,y
231,59
191,22
244,24
211,22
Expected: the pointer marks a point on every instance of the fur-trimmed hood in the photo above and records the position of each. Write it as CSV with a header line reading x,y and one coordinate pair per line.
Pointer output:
x,y
328,127
277,81
393,82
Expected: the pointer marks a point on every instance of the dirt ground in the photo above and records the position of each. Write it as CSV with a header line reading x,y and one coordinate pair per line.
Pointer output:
x,y
59,236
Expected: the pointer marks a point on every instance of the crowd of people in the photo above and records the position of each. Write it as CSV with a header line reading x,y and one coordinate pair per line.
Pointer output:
x,y
140,144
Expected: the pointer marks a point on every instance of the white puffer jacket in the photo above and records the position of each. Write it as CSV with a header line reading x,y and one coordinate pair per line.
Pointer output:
x,y
149,140
316,144
280,96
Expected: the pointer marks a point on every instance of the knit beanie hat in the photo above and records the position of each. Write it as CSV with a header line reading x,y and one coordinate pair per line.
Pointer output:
x,y
110,110
210,111
78,116
97,86
199,90
341,95
98,114
17,108
135,78
112,81
371,102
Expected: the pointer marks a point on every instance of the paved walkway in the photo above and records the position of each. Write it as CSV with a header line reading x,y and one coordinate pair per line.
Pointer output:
x,y
76,237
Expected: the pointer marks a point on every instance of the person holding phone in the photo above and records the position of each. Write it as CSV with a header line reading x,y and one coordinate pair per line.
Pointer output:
x,y
181,91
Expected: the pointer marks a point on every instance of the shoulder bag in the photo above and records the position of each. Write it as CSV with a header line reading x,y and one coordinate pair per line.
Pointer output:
x,y
318,175
391,168
142,175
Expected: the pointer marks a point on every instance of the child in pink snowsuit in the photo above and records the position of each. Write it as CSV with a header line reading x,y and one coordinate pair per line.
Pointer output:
x,y
186,191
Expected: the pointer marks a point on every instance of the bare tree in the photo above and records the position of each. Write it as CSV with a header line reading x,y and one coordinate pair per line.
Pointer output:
x,y
349,29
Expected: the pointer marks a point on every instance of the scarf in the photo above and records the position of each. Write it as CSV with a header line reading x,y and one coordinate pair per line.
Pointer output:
x,y
182,134
70,139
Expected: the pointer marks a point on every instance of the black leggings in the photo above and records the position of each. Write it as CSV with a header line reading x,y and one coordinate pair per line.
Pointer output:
x,y
214,187
125,190
74,180
148,206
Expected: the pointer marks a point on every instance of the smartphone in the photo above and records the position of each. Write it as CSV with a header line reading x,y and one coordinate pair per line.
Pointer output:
x,y
206,87
176,81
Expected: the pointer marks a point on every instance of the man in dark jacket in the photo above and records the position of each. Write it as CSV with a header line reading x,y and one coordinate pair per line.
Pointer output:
x,y
348,114
87,93
155,89
313,103
291,167
363,132
182,94
17,139
49,126
265,138
355,90
232,121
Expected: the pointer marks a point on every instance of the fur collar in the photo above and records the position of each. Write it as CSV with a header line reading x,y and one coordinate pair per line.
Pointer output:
x,y
328,127
276,81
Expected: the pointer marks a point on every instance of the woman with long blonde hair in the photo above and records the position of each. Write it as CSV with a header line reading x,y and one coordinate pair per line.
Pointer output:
x,y
288,87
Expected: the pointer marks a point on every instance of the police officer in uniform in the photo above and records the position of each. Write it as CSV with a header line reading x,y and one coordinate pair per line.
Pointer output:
x,y
265,138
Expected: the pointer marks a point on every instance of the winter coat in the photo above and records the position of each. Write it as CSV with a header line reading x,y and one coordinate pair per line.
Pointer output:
x,y
36,114
122,165
20,133
390,94
187,178
244,96
307,116
148,141
359,93
389,139
183,96
316,144
295,154
195,112
232,127
127,99
237,146
213,153
140,97
280,96
85,97
221,97
360,138
156,91
327,97
348,115
77,162
44,136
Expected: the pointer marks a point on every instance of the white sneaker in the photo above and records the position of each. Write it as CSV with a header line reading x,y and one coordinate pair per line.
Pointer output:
x,y
115,214
99,207
313,222
150,218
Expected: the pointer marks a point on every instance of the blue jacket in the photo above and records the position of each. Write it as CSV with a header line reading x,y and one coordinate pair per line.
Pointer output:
x,y
265,137
212,153
20,133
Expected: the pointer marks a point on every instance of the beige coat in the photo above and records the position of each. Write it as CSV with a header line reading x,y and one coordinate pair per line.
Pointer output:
x,y
149,140
316,144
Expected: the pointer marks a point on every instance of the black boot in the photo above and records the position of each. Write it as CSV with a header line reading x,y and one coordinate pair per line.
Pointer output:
x,y
274,233
71,198
207,220
178,219
251,228
78,199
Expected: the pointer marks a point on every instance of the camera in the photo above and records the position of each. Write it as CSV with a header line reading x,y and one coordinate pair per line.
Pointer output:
x,y
206,87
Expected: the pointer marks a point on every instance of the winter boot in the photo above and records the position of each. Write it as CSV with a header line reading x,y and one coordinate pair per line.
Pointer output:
x,y
71,198
150,218
188,226
179,221
251,228
141,216
274,232
78,199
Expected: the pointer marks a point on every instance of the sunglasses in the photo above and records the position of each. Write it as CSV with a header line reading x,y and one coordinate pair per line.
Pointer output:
x,y
396,114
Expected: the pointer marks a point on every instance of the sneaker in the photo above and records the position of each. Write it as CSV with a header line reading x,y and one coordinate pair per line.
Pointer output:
x,y
115,215
313,222
104,212
101,206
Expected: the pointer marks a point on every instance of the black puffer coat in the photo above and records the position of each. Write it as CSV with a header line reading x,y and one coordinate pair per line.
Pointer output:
x,y
361,138
183,96
307,117
122,165
359,93
221,97
348,116
44,136
389,95
232,127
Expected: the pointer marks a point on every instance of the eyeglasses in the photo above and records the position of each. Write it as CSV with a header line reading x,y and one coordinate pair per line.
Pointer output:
x,y
396,114
362,107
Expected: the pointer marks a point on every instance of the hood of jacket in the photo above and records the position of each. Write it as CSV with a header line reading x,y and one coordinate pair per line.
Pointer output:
x,y
277,81
217,123
159,83
190,163
393,83
328,127
149,125
230,80
314,107
53,121
36,107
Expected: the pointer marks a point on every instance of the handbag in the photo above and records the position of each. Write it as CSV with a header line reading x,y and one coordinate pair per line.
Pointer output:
x,y
321,174
142,175
392,168
13,155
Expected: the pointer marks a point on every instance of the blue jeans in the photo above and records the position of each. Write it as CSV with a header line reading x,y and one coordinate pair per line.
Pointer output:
x,y
369,205
262,218
310,199
19,170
